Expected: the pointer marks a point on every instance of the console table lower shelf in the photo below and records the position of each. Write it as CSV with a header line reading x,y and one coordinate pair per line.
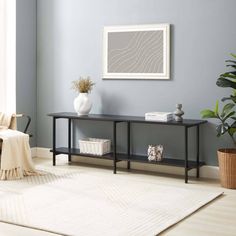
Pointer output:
x,y
130,158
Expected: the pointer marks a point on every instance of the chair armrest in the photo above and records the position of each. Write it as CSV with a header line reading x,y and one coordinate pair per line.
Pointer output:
x,y
18,115
28,121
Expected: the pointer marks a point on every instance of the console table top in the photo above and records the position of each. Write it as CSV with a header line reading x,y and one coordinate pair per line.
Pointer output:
x,y
118,118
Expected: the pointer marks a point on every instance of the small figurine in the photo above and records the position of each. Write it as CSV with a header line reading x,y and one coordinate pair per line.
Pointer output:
x,y
155,152
178,113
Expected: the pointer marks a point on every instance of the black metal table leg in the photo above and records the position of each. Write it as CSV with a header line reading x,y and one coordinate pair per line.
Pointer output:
x,y
198,169
69,140
128,144
186,154
114,147
54,141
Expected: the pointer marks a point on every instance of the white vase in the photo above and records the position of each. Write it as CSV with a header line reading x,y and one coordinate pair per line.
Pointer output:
x,y
82,104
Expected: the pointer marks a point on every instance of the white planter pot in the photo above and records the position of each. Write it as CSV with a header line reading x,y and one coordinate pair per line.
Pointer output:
x,y
82,104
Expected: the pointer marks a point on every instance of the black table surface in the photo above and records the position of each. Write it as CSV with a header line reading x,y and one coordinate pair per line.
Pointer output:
x,y
118,118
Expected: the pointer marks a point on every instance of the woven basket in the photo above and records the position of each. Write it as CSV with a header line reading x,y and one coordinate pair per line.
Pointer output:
x,y
95,146
227,165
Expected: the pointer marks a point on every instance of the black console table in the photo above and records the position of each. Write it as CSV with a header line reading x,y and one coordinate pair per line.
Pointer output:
x,y
129,157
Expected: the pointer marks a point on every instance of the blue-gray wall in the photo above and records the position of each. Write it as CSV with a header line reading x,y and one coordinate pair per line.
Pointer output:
x,y
69,44
26,12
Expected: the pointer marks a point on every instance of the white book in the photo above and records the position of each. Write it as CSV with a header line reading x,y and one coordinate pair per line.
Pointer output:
x,y
159,116
158,119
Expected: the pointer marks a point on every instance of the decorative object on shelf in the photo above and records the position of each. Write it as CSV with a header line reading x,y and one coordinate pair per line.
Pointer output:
x,y
159,116
82,103
95,146
155,152
227,118
178,113
137,52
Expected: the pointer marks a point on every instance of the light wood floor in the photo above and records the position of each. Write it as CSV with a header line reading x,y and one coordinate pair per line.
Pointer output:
x,y
217,218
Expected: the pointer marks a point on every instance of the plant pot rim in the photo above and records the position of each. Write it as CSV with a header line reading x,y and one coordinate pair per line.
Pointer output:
x,y
227,150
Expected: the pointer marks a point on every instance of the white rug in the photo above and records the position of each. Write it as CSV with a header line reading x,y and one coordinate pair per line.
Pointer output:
x,y
81,201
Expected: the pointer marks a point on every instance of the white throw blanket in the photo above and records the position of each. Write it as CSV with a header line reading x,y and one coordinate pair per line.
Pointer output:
x,y
7,121
16,159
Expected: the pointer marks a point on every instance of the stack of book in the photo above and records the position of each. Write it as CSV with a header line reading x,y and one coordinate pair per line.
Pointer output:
x,y
159,116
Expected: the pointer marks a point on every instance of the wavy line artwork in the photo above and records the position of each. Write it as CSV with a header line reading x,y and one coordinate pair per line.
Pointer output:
x,y
135,52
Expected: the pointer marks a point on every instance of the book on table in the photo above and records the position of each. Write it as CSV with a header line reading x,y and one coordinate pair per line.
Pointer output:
x,y
159,116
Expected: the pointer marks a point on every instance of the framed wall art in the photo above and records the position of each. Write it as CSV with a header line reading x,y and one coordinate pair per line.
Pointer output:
x,y
137,52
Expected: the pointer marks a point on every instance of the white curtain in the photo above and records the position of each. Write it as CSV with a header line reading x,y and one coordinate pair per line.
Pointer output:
x,y
7,55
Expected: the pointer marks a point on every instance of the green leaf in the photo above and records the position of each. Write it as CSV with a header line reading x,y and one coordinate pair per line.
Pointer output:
x,y
233,72
232,97
222,82
226,109
231,61
228,115
216,110
207,113
233,55
225,99
222,129
231,131
228,75
230,65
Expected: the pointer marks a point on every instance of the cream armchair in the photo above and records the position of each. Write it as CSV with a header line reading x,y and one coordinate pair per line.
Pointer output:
x,y
16,160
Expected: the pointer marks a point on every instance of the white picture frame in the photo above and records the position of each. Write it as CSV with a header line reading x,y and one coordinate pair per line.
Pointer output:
x,y
136,52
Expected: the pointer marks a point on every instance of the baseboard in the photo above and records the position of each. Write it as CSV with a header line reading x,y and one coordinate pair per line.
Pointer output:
x,y
34,151
211,172
44,152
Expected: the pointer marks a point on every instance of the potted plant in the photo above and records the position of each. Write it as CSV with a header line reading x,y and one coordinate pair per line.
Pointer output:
x,y
227,125
82,103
